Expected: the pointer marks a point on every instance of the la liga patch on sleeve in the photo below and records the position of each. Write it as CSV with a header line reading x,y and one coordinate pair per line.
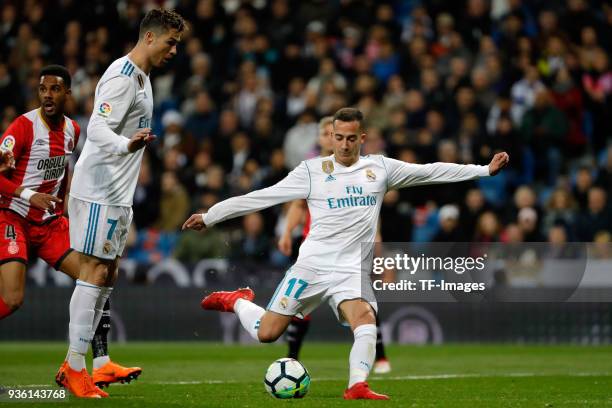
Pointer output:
x,y
105,109
8,143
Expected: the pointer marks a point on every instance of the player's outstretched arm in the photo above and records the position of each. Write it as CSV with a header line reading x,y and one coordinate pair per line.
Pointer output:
x,y
402,174
294,217
499,161
295,186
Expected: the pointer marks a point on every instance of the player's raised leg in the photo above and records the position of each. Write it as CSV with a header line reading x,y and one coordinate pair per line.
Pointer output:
x,y
360,315
264,326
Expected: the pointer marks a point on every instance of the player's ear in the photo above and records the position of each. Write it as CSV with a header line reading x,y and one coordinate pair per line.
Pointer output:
x,y
149,37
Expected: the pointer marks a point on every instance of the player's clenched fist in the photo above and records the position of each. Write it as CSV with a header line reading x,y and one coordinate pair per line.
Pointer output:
x,y
140,139
195,222
7,161
499,161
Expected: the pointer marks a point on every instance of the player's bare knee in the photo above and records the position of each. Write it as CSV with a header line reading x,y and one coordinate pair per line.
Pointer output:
x,y
13,299
268,335
94,270
364,315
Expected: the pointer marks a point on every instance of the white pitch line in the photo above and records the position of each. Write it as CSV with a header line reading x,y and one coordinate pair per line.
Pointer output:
x,y
196,382
399,378
374,377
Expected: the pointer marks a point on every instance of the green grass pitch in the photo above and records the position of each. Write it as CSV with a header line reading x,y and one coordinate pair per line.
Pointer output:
x,y
211,375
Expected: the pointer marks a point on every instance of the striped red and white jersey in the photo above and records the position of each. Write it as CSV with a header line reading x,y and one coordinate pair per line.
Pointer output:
x,y
41,154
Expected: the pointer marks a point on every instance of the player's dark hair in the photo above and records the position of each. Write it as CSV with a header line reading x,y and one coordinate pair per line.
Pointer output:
x,y
348,115
158,20
57,70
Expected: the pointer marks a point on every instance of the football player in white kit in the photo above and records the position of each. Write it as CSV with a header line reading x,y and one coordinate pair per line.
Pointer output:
x,y
344,192
103,186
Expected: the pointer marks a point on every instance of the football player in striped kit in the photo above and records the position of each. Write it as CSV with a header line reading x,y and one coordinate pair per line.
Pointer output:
x,y
35,151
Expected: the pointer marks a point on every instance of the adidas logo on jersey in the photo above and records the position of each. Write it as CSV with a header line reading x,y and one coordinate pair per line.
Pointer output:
x,y
330,178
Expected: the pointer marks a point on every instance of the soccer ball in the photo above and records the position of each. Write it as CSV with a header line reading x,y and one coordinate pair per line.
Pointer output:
x,y
287,378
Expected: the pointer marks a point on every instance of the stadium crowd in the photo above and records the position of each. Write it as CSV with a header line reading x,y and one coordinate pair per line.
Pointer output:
x,y
451,81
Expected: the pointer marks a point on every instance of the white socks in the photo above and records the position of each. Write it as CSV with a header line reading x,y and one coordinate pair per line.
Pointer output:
x,y
362,354
250,314
100,361
82,312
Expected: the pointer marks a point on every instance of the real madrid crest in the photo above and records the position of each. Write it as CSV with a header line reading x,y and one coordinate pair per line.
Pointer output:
x,y
284,303
327,166
107,247
370,175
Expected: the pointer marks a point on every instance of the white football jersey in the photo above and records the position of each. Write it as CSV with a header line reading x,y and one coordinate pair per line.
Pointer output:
x,y
106,173
344,202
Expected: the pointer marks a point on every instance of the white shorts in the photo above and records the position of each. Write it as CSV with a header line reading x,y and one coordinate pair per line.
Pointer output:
x,y
98,230
302,290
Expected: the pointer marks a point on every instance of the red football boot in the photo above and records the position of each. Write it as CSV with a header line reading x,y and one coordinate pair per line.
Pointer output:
x,y
112,372
362,390
79,383
224,301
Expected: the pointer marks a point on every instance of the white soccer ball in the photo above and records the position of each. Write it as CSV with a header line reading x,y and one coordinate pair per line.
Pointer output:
x,y
287,378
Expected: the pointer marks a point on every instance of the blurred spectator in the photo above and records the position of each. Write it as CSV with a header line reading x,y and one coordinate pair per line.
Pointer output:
x,y
203,120
300,139
254,245
584,182
568,99
512,234
395,218
557,235
544,128
147,195
560,209
524,93
448,218
527,220
597,84
471,209
175,136
193,246
174,204
596,217
524,197
487,228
